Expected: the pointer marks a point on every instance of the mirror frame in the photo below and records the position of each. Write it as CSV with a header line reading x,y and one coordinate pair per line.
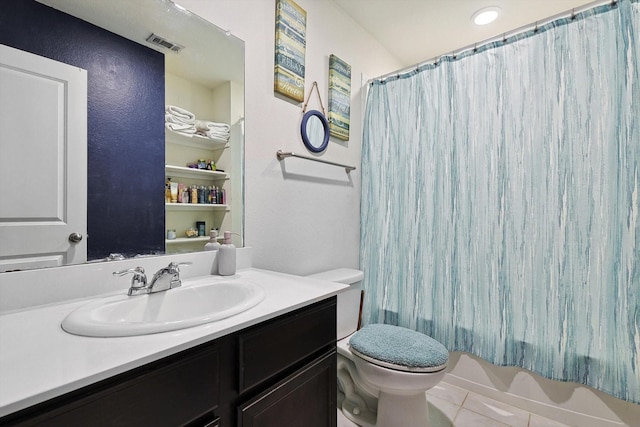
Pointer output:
x,y
168,16
305,137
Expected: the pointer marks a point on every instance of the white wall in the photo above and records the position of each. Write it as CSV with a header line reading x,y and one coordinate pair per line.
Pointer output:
x,y
301,217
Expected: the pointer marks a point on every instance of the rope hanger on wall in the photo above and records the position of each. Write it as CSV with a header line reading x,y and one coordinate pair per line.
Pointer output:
x,y
313,86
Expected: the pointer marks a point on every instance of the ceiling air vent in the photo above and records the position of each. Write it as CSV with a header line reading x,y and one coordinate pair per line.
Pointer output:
x,y
161,41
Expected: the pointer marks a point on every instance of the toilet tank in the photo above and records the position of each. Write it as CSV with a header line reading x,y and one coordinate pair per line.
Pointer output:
x,y
348,307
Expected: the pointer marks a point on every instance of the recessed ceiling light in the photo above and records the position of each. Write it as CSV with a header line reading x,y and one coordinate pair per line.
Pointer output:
x,y
486,15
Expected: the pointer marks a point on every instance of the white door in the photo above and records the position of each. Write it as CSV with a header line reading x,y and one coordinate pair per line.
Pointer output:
x,y
43,161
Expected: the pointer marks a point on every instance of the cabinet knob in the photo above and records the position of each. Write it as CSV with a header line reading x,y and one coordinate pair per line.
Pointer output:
x,y
75,237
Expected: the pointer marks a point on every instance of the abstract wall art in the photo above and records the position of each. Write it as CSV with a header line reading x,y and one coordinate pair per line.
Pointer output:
x,y
290,46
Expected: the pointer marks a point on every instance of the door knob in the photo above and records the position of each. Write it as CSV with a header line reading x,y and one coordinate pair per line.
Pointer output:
x,y
75,237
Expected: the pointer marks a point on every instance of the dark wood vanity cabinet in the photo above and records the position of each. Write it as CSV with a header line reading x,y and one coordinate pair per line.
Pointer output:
x,y
279,373
295,356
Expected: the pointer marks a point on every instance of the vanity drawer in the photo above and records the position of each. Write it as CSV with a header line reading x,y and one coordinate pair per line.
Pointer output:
x,y
173,392
305,398
264,351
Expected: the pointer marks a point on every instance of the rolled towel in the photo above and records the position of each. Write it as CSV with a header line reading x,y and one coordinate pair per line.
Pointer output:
x,y
180,114
206,126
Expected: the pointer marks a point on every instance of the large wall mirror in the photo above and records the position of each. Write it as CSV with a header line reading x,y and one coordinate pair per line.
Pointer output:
x,y
130,79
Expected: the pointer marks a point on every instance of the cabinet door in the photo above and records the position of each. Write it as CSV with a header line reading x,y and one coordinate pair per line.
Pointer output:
x,y
307,398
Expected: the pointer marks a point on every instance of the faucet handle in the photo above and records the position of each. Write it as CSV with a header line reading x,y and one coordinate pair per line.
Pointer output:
x,y
175,266
172,269
139,279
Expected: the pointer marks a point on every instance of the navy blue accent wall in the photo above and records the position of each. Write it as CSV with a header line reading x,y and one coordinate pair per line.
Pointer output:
x,y
125,122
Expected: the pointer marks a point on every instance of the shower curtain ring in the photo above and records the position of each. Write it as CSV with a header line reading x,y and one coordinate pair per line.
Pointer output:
x,y
535,30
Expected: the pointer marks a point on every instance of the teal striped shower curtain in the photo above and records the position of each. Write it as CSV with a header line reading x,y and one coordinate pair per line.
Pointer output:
x,y
501,200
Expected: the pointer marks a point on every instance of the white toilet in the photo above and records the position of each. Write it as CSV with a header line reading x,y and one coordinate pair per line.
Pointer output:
x,y
384,373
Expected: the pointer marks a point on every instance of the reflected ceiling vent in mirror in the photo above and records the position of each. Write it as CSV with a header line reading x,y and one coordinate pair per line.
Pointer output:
x,y
161,41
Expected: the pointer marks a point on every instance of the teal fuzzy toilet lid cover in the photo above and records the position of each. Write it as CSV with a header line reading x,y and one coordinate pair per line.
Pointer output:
x,y
399,348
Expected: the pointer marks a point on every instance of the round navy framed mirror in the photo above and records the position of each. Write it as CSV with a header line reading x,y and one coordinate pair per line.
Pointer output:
x,y
315,131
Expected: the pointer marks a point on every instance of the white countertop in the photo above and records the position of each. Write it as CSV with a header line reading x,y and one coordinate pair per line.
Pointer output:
x,y
39,361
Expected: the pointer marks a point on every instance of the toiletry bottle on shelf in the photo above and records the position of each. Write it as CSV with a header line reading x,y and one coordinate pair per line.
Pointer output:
x,y
227,257
212,244
174,192
200,226
167,191
180,191
194,194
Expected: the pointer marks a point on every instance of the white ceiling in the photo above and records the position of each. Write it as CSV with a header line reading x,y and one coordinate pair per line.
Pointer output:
x,y
205,44
415,31
412,30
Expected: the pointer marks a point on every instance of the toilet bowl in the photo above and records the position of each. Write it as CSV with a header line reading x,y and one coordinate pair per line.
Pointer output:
x,y
357,400
383,370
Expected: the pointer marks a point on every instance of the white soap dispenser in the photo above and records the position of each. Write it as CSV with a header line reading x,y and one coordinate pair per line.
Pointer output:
x,y
227,256
212,244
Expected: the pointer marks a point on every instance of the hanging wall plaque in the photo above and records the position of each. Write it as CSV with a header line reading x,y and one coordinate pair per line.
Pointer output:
x,y
339,97
291,32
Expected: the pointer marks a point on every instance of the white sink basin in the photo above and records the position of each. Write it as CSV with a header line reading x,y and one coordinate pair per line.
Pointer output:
x,y
194,303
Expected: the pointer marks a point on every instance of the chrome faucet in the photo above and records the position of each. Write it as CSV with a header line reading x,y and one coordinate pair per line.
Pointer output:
x,y
166,278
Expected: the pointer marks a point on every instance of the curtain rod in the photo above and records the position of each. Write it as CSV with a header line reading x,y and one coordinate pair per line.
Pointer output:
x,y
532,26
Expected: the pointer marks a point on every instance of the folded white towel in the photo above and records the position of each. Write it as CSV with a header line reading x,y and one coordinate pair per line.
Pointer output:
x,y
170,118
214,135
180,114
182,128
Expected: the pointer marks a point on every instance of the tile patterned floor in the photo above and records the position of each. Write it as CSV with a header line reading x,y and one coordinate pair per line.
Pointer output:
x,y
450,406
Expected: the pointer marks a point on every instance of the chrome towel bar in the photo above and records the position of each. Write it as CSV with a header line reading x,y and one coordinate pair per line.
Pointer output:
x,y
281,155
